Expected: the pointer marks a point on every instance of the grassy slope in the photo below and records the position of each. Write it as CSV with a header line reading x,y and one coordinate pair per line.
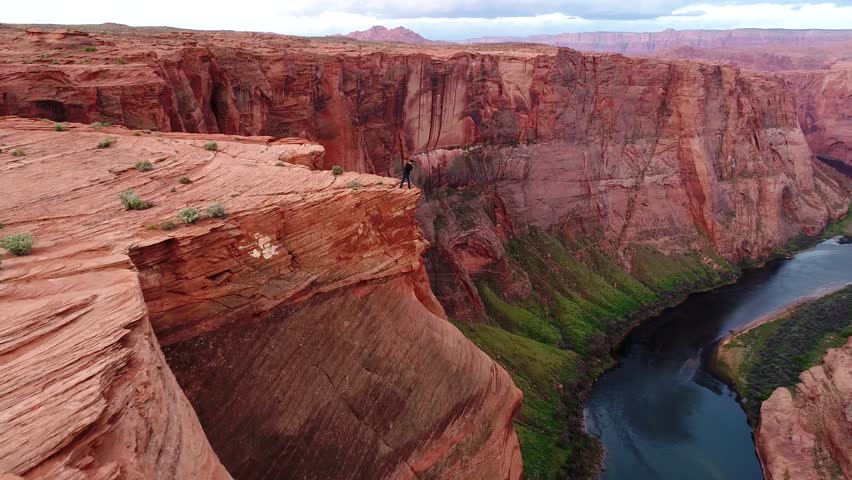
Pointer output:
x,y
774,354
562,334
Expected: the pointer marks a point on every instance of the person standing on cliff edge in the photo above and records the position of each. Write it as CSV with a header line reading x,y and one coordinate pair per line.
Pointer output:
x,y
406,173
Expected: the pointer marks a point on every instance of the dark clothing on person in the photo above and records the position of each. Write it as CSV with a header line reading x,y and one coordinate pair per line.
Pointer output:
x,y
406,174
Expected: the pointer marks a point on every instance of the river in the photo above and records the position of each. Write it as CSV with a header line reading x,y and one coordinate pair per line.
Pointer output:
x,y
660,414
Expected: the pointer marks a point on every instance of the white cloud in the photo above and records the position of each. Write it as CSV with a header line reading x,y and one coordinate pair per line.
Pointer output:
x,y
342,16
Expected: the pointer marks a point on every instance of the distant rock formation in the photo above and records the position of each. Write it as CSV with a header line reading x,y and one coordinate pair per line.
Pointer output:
x,y
379,33
649,43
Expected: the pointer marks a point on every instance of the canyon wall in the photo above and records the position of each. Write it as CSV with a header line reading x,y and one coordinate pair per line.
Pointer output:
x,y
710,129
337,359
820,75
806,433
645,43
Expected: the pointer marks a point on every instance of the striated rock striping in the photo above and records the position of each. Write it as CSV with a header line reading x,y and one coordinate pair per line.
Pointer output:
x,y
808,435
88,392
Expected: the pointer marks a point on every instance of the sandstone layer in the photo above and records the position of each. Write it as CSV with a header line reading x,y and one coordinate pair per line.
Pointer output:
x,y
820,75
645,43
809,435
665,153
319,276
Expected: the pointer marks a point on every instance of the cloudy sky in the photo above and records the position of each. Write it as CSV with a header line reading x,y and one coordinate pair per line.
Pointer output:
x,y
437,19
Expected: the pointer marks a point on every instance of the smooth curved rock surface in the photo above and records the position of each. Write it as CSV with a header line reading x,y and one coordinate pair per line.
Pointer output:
x,y
809,435
88,393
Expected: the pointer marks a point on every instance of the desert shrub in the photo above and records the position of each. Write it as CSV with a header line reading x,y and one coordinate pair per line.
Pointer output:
x,y
58,127
216,210
189,215
212,146
91,49
184,180
137,134
18,244
144,166
106,143
337,170
279,163
168,226
131,201
152,227
101,125
121,60
18,152
354,185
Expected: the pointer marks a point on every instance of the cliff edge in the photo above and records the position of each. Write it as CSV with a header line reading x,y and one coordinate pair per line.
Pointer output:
x,y
322,273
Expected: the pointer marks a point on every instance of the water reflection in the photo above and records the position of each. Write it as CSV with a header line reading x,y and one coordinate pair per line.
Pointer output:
x,y
660,414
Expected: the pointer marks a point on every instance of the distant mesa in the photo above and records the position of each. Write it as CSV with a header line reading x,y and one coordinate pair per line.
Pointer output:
x,y
379,33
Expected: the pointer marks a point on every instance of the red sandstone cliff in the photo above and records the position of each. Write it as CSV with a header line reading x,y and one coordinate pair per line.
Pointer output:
x,y
645,43
300,322
809,435
820,75
818,62
671,154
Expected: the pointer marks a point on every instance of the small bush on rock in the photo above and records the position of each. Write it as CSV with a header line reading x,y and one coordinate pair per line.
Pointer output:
x,y
58,127
144,166
212,146
131,201
184,180
18,244
106,143
337,170
18,152
216,210
168,226
189,215
121,60
91,49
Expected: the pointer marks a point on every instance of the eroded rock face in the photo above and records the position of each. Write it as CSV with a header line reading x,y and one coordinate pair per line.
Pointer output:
x,y
665,153
820,75
371,105
809,435
644,43
89,394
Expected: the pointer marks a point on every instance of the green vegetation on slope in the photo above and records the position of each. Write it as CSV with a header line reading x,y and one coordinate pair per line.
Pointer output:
x,y
557,341
775,353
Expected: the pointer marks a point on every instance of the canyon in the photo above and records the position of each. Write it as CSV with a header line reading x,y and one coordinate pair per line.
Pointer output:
x,y
562,196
